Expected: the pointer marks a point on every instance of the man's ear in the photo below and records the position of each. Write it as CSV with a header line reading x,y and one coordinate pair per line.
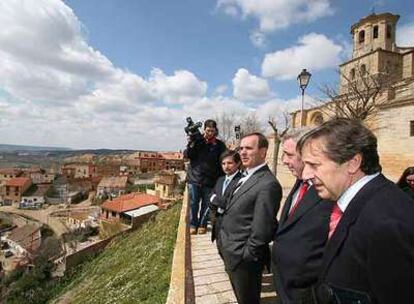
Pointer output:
x,y
354,164
263,152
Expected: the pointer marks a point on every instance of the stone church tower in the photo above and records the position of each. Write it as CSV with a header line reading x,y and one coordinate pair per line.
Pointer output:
x,y
375,53
374,49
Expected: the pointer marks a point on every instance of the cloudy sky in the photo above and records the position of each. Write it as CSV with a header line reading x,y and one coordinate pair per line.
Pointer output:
x,y
125,74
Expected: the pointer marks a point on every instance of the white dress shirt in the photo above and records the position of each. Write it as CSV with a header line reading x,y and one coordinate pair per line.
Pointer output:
x,y
248,173
228,180
349,194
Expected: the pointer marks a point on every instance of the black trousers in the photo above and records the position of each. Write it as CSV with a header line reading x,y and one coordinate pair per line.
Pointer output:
x,y
246,281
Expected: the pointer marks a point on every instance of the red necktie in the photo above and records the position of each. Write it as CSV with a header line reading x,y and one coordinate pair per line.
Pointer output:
x,y
336,216
302,191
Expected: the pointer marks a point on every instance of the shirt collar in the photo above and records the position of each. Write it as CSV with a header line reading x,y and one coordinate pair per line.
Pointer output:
x,y
349,194
251,171
230,177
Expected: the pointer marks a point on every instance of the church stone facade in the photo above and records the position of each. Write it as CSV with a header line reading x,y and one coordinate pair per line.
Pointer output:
x,y
375,53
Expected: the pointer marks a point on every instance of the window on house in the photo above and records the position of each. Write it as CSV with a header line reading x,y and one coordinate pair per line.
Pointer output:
x,y
412,128
318,119
375,33
363,70
389,30
361,36
352,74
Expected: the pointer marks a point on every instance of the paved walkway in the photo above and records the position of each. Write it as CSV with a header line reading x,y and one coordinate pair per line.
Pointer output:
x,y
211,283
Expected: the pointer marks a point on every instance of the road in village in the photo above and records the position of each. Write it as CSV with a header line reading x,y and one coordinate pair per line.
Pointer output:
x,y
44,215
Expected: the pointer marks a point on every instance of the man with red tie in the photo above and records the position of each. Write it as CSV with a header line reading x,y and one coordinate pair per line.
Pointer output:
x,y
369,257
300,239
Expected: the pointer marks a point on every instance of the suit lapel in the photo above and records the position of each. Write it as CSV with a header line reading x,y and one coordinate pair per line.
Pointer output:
x,y
247,185
220,184
310,200
348,219
232,184
288,203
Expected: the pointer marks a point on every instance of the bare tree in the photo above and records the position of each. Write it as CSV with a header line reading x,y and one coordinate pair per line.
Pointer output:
x,y
278,137
250,123
225,123
360,94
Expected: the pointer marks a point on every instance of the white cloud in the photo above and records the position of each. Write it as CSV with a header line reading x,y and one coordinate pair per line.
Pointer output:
x,y
258,39
313,52
248,87
405,35
220,90
182,87
277,14
55,89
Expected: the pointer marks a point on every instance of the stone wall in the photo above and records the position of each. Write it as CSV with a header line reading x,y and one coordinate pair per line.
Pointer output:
x,y
396,146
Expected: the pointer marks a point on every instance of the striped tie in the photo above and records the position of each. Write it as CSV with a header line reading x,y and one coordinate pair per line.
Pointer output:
x,y
225,184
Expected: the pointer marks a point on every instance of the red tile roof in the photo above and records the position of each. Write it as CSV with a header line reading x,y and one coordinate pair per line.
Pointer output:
x,y
171,155
130,201
18,181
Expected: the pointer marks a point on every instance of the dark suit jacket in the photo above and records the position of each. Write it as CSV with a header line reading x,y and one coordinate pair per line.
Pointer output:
x,y
372,248
219,201
249,221
299,244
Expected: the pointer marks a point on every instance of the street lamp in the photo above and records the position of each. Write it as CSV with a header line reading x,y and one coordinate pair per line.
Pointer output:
x,y
237,131
303,80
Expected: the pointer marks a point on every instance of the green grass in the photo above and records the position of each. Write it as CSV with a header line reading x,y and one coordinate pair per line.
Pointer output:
x,y
135,268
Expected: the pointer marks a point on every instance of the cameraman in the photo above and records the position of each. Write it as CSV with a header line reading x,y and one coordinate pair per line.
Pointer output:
x,y
203,171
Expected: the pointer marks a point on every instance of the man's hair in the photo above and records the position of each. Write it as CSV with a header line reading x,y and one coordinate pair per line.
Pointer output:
x,y
295,134
209,123
343,139
230,153
262,140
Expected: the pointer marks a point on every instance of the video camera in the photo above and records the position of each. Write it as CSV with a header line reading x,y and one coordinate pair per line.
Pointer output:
x,y
192,129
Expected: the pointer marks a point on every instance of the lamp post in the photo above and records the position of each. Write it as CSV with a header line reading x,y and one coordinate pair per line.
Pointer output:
x,y
303,80
237,131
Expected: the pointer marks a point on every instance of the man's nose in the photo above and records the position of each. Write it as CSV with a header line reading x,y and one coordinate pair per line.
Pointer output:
x,y
307,173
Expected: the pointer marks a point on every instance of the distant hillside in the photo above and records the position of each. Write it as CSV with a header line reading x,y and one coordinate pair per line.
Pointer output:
x,y
134,269
13,148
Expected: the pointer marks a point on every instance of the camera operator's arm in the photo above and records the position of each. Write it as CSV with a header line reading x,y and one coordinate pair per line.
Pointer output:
x,y
193,147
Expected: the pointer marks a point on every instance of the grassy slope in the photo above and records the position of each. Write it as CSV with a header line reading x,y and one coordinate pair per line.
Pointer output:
x,y
134,269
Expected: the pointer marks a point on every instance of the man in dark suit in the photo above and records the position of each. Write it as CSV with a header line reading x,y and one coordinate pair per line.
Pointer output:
x,y
369,256
230,163
300,239
249,221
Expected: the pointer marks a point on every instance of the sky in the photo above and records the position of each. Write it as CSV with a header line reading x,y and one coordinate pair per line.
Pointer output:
x,y
125,74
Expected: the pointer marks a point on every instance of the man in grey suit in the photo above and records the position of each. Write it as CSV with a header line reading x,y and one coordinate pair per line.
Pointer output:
x,y
249,221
